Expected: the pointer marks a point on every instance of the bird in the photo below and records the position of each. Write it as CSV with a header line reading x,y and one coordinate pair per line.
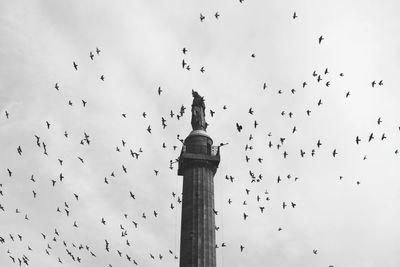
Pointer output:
x,y
253,55
149,129
84,103
315,251
91,55
159,90
7,115
202,70
239,127
373,83
358,140
283,205
56,86
184,50
97,50
202,17
255,124
319,143
48,125
75,65
380,82
156,172
371,136
9,172
334,153
102,77
216,15
294,15
320,39
347,94
241,246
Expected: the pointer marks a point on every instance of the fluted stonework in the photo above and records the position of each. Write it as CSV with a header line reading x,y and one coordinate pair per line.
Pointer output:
x,y
198,163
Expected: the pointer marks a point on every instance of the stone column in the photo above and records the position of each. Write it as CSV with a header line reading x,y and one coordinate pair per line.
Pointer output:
x,y
198,163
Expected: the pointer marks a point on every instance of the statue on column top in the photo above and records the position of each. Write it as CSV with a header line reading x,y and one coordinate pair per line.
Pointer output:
x,y
198,112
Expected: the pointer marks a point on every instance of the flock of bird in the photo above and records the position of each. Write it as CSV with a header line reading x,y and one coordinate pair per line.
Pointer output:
x,y
79,252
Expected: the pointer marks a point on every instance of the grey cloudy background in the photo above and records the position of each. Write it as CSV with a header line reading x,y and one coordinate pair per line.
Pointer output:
x,y
349,224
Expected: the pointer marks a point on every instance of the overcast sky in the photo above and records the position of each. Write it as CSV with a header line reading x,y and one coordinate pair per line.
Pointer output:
x,y
351,221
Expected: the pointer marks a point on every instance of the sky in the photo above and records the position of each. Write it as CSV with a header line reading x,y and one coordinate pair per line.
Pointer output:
x,y
346,207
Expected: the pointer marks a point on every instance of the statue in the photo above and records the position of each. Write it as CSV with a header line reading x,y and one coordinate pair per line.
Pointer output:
x,y
198,115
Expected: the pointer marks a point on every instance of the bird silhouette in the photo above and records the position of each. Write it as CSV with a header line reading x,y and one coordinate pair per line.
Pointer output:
x,y
239,127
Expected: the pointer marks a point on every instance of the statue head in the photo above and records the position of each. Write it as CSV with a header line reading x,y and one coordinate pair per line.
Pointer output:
x,y
195,94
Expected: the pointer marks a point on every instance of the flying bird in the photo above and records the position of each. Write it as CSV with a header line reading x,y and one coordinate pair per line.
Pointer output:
x,y
239,127
320,39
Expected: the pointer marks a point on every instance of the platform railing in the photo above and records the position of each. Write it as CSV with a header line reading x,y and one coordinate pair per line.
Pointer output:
x,y
201,149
